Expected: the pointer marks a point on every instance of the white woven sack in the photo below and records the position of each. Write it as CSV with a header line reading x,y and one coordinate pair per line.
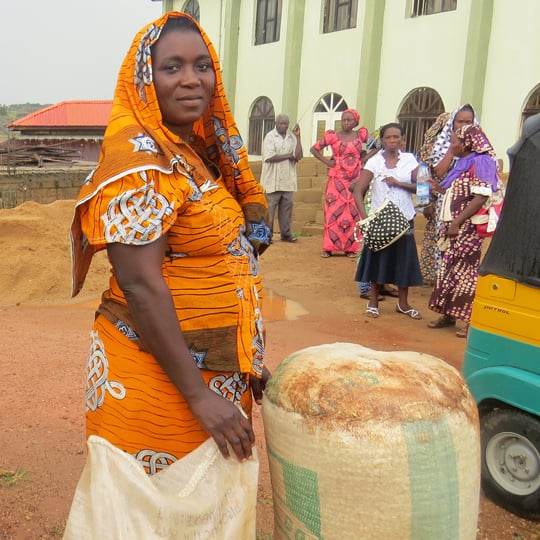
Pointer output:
x,y
201,495
366,444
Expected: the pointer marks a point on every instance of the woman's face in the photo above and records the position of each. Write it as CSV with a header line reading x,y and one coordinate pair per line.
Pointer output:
x,y
347,121
184,79
463,118
457,146
392,139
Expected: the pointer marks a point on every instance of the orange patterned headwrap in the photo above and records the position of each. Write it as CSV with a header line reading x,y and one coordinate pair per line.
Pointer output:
x,y
136,120
136,108
355,113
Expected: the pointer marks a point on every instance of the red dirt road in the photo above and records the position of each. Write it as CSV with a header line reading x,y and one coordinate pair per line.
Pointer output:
x,y
45,337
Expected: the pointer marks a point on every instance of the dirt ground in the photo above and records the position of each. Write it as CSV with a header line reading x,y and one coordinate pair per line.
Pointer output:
x,y
45,336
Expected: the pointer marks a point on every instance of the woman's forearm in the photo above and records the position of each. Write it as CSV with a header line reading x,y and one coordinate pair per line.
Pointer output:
x,y
472,208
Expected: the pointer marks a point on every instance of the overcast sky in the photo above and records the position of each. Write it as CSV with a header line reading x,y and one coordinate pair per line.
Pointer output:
x,y
58,50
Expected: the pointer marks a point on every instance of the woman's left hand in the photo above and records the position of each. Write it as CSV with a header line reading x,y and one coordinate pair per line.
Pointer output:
x,y
453,228
258,385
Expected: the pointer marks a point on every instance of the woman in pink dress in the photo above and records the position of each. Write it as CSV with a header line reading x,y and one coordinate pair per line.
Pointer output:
x,y
344,167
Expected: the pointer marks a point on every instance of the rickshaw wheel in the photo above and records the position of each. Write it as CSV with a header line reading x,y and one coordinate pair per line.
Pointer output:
x,y
511,460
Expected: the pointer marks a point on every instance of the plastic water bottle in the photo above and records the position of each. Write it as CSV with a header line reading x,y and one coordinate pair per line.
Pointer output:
x,y
422,185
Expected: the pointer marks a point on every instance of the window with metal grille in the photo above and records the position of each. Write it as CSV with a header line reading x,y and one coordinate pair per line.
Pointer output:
x,y
419,111
428,7
191,7
339,15
268,21
261,120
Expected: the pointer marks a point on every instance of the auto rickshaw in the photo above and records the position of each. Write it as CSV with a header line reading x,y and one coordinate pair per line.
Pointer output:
x,y
502,356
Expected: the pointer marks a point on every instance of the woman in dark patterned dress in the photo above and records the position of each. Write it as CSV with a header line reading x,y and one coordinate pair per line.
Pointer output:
x,y
466,188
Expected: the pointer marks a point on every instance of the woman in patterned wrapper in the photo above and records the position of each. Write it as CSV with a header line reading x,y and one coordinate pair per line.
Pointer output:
x,y
437,153
177,350
466,188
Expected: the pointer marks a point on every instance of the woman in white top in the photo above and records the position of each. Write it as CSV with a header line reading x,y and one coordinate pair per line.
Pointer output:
x,y
392,174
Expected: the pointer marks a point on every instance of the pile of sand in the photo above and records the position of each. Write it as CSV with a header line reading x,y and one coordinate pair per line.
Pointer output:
x,y
35,261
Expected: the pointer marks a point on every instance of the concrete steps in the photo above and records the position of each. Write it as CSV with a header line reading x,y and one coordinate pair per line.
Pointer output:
x,y
308,213
308,210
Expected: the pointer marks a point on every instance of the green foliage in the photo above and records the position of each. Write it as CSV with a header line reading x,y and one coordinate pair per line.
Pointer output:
x,y
10,113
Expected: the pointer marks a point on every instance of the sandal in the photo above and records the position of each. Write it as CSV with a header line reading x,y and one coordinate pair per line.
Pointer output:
x,y
442,322
372,312
463,332
326,254
411,312
351,255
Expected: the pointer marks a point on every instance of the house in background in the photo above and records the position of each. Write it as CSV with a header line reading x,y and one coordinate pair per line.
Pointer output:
x,y
74,126
405,60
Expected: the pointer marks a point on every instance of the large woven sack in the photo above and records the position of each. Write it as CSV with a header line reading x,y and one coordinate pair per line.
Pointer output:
x,y
365,444
201,495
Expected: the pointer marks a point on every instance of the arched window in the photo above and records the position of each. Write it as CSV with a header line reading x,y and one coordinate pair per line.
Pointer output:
x,y
327,113
262,119
191,7
532,106
419,110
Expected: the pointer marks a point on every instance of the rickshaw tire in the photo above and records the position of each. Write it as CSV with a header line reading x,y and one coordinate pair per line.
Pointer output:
x,y
510,440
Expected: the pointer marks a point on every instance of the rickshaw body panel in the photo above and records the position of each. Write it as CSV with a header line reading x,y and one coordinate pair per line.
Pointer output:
x,y
502,358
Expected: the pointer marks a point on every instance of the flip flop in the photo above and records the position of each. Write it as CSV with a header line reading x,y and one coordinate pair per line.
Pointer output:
x,y
351,255
326,254
442,322
372,312
412,313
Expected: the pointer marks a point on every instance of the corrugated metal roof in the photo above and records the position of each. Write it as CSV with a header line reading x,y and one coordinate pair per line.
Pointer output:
x,y
68,114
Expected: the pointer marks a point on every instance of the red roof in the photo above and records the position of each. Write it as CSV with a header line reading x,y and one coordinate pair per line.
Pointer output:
x,y
68,114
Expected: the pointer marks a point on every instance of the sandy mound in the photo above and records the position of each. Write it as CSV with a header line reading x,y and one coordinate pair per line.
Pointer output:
x,y
35,266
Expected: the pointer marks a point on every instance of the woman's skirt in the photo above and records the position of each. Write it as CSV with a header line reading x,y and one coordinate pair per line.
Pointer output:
x,y
398,263
132,403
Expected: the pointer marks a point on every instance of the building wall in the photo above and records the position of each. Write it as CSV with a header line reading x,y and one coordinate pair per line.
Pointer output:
x,y
513,69
484,53
259,73
40,185
421,51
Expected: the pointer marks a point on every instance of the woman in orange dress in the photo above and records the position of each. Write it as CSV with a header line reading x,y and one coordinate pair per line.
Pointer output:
x,y
177,346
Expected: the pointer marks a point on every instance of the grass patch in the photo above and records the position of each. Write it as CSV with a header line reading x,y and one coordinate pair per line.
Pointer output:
x,y
57,531
11,478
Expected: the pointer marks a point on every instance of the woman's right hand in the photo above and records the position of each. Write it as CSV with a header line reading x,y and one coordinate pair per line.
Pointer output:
x,y
225,423
330,163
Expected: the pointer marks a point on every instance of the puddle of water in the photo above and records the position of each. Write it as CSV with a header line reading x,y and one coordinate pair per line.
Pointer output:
x,y
275,307
279,308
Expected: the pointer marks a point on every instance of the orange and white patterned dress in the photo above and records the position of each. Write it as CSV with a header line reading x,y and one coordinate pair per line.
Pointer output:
x,y
204,198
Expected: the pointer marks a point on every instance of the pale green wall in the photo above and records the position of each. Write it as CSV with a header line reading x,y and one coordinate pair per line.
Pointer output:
x,y
422,51
513,69
329,64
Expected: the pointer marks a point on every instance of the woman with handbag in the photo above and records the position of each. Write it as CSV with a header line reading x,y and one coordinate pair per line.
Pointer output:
x,y
389,258
466,189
